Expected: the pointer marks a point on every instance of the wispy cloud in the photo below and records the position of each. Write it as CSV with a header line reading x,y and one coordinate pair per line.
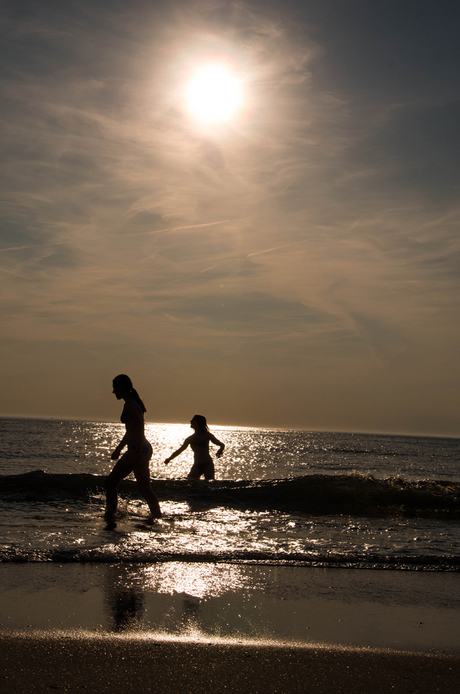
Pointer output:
x,y
185,227
2,269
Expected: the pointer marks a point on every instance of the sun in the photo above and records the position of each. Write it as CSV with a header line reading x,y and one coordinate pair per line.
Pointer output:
x,y
213,94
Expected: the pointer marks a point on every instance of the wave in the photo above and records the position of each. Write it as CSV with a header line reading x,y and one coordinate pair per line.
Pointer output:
x,y
357,560
351,494
371,452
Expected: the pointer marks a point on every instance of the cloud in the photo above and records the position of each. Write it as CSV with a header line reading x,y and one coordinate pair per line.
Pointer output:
x,y
185,227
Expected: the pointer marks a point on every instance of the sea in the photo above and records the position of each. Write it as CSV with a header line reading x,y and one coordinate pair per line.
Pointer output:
x,y
281,497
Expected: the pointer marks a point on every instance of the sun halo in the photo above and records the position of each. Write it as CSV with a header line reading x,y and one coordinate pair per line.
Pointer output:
x,y
213,94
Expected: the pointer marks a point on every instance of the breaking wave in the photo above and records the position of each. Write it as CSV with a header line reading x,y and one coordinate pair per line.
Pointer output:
x,y
350,494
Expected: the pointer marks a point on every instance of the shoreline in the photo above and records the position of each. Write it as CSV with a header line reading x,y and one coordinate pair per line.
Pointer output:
x,y
74,663
306,607
206,628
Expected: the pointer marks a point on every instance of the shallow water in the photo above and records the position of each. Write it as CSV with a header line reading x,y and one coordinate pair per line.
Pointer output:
x,y
309,498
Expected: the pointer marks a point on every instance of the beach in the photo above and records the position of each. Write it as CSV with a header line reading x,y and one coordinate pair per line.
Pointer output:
x,y
76,664
198,627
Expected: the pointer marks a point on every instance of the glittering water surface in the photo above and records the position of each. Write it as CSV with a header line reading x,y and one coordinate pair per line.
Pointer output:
x,y
251,453
58,516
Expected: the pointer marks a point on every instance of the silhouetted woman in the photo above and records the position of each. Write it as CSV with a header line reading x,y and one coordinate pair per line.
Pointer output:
x,y
136,458
199,443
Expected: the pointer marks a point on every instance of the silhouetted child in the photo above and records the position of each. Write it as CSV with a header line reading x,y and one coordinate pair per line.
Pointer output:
x,y
199,443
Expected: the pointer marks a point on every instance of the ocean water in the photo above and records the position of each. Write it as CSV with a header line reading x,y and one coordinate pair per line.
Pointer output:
x,y
281,497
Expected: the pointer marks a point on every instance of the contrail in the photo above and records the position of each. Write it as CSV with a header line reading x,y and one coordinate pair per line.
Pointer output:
x,y
16,274
15,248
268,250
187,226
234,348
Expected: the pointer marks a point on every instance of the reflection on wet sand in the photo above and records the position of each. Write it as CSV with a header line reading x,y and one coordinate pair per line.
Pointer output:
x,y
210,602
126,585
124,598
193,579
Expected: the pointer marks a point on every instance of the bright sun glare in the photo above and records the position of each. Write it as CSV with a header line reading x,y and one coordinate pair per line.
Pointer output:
x,y
213,94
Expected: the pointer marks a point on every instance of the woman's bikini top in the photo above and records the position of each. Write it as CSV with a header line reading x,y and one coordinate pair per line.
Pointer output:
x,y
124,419
199,443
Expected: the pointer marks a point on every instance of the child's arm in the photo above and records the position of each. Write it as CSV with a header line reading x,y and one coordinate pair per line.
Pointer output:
x,y
178,452
218,443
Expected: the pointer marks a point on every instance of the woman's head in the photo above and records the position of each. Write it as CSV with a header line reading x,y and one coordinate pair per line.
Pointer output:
x,y
199,422
122,382
123,387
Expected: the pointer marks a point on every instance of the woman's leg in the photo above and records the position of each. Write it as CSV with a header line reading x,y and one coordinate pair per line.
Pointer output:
x,y
142,474
120,470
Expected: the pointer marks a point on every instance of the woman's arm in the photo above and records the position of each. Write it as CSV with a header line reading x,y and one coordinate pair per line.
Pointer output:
x,y
116,453
178,452
218,443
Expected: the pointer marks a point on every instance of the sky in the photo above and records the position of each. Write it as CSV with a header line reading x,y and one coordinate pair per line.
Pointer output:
x,y
289,261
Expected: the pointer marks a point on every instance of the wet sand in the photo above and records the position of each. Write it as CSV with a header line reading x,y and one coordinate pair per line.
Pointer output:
x,y
399,610
127,664
192,628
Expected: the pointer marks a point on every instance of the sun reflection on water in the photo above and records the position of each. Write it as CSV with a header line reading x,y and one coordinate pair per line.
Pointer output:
x,y
197,580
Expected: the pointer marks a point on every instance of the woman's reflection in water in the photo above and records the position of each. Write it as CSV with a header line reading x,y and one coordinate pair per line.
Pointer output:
x,y
124,598
191,608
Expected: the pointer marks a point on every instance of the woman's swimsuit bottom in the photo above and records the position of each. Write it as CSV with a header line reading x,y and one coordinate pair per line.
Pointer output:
x,y
147,450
